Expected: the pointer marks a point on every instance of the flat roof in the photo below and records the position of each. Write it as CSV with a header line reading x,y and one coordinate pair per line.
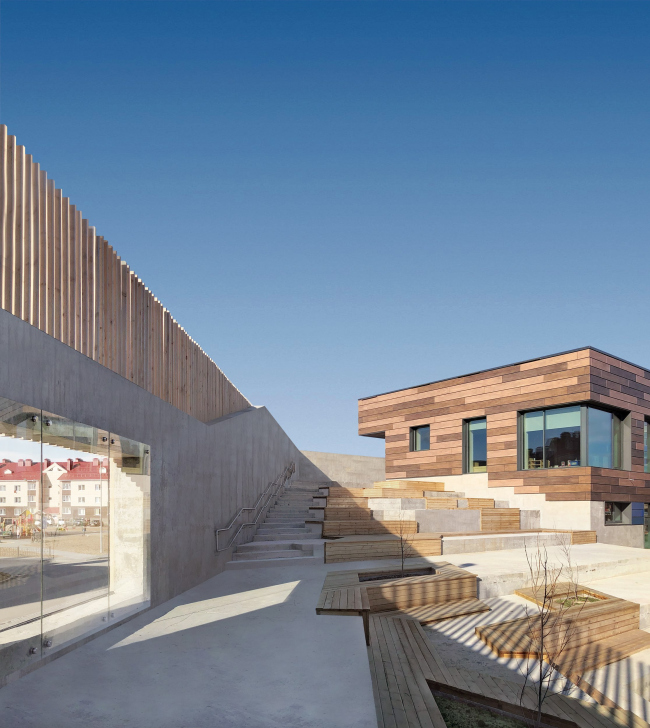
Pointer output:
x,y
503,366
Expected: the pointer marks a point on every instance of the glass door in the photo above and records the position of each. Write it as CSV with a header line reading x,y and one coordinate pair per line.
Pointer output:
x,y
75,544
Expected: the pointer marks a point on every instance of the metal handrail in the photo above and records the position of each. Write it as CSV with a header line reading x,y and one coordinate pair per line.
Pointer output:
x,y
271,491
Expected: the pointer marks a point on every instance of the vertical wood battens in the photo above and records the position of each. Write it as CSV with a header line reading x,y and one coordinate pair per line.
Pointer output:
x,y
57,274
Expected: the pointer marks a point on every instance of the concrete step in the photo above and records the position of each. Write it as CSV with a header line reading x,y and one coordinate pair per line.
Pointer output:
x,y
267,546
283,524
296,515
289,530
284,536
278,554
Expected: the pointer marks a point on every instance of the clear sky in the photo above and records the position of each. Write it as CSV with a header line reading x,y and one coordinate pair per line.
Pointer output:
x,y
339,199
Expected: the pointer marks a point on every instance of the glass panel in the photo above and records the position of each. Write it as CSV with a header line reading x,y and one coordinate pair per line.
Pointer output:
x,y
477,446
20,528
421,437
75,548
533,440
646,525
646,461
129,509
562,437
599,429
617,443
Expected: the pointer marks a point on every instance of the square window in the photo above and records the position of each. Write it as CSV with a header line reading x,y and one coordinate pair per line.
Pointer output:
x,y
98,486
81,512
3,500
617,514
81,486
98,500
17,511
66,498
420,438
67,511
17,500
98,511
82,500
3,512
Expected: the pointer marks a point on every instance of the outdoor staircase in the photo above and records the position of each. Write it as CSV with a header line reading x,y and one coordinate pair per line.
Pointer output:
x,y
283,534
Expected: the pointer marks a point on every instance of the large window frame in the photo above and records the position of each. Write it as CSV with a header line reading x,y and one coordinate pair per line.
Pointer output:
x,y
588,413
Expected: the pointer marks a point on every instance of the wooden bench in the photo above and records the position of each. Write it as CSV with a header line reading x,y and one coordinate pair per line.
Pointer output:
x,y
403,698
365,527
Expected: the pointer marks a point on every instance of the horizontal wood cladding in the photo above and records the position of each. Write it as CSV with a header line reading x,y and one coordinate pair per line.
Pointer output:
x,y
57,274
582,376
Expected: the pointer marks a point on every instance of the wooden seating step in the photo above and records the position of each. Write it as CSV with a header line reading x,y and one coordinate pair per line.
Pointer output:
x,y
500,519
340,514
447,610
365,548
415,484
366,527
403,696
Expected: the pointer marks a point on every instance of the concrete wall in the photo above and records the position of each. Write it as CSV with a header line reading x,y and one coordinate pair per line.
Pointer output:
x,y
354,469
201,474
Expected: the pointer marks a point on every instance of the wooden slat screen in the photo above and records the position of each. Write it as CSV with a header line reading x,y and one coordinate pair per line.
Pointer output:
x,y
57,274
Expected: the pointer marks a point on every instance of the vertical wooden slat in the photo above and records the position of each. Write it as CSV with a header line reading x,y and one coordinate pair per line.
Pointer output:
x,y
65,271
36,237
59,275
49,221
42,252
5,192
58,263
10,221
28,240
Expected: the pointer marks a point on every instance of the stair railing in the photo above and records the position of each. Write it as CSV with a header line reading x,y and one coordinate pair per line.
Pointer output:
x,y
271,492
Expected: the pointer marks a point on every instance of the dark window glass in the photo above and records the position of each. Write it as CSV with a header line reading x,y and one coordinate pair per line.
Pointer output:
x,y
477,446
600,440
646,461
420,438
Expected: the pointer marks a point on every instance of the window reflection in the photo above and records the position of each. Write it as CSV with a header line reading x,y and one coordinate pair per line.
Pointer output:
x,y
74,521
477,446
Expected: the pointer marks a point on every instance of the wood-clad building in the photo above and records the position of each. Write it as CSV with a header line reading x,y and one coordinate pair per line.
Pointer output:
x,y
428,429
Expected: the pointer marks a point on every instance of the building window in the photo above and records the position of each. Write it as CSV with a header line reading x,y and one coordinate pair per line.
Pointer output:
x,y
98,486
17,511
98,511
17,500
98,500
82,500
66,498
568,437
81,512
67,511
3,512
81,486
31,486
646,460
420,438
16,489
3,487
32,499
617,514
3,500
475,432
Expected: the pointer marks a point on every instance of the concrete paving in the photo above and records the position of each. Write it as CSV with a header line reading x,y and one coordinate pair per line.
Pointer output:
x,y
242,650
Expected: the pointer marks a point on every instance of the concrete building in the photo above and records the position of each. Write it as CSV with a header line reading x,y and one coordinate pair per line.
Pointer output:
x,y
117,416
565,435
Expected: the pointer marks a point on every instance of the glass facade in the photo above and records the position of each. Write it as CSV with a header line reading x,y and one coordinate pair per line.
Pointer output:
x,y
420,438
566,437
646,461
476,446
74,520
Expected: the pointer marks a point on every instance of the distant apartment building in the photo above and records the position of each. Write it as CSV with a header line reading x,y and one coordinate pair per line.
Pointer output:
x,y
70,490
566,435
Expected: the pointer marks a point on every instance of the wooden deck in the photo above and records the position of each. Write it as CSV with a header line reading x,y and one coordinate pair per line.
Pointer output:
x,y
402,660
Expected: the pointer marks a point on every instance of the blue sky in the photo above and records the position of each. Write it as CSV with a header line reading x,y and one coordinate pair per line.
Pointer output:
x,y
339,199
